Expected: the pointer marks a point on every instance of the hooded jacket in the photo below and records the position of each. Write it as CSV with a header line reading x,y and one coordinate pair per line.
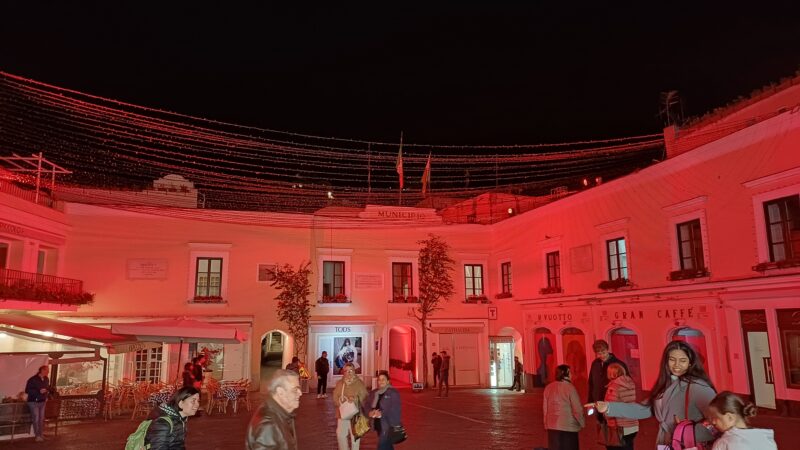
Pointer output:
x,y
746,439
163,436
621,389
271,428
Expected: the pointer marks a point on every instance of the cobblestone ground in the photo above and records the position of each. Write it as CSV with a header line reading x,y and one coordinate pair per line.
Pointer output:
x,y
468,419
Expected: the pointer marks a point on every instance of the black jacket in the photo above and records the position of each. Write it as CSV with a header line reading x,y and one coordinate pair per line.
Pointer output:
x,y
271,428
34,385
160,435
598,377
322,366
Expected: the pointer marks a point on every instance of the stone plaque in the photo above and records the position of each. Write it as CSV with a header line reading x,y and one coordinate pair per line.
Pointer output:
x,y
580,259
368,281
147,269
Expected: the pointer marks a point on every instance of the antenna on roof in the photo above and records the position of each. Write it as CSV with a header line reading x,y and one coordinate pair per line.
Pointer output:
x,y
671,110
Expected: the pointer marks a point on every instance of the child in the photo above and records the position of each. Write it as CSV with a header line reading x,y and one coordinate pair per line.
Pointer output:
x,y
729,414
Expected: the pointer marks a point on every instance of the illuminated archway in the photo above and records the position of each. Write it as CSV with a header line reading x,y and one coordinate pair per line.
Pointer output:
x,y
573,345
402,354
625,346
277,348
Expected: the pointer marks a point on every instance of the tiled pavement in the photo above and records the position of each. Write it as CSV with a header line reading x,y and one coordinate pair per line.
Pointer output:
x,y
468,419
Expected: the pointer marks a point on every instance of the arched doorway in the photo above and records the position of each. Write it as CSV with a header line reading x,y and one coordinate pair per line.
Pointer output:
x,y
695,338
402,355
544,348
573,344
625,346
276,352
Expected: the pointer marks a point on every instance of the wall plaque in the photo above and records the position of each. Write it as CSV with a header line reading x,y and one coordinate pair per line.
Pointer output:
x,y
368,281
147,269
580,259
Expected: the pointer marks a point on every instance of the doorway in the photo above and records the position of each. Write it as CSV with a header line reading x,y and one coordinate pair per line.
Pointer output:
x,y
273,347
464,359
759,359
501,361
402,355
625,346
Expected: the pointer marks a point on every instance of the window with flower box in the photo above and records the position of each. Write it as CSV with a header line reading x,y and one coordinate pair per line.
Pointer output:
x,y
208,278
617,259
332,279
402,281
505,274
473,280
553,271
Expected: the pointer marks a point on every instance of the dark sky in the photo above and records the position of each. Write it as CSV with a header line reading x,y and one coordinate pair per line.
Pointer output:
x,y
501,73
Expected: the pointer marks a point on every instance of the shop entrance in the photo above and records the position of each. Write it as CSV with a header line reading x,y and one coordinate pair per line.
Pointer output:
x,y
501,361
402,355
759,359
464,358
625,346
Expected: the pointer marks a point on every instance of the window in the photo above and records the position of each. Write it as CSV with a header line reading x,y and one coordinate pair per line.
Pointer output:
x,y
505,273
690,245
553,270
332,278
789,325
208,282
783,228
473,279
3,255
402,283
148,365
617,259
40,261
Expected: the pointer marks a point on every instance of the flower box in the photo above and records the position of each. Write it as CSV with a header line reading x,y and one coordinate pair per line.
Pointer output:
x,y
619,283
783,264
338,298
404,299
551,290
503,295
688,274
477,299
207,299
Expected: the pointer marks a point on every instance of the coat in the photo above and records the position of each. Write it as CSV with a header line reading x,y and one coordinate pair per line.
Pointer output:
x,y
322,366
390,409
669,406
621,389
746,439
34,386
357,390
271,428
163,436
562,407
598,377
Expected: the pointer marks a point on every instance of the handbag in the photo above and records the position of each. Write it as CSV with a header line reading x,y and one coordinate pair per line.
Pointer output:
x,y
397,434
610,436
347,409
359,425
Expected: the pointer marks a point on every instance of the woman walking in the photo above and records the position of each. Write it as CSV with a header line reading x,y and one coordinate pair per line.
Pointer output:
x,y
563,414
621,388
385,410
348,389
167,430
682,387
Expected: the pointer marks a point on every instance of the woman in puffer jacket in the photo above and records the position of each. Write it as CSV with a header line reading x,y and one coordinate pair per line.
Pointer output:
x,y
621,388
167,431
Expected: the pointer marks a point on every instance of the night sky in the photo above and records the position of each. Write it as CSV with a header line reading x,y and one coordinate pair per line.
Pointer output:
x,y
502,73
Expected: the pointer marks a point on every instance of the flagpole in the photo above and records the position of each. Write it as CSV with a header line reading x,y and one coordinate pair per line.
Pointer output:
x,y
400,158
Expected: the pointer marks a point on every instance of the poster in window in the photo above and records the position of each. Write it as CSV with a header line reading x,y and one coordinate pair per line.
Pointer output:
x,y
346,350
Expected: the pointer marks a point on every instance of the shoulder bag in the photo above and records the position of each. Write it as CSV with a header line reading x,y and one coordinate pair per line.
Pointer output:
x,y
347,409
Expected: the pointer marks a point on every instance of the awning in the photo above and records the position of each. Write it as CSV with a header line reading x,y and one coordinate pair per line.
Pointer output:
x,y
180,330
77,334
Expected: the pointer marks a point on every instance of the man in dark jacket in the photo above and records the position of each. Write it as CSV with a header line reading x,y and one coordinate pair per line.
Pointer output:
x,y
598,378
517,375
272,425
38,389
322,366
436,361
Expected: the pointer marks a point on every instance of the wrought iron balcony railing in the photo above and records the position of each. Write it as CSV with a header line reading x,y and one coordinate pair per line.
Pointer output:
x,y
19,285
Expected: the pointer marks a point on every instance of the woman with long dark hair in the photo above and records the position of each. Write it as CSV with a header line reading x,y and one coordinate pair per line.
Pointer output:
x,y
167,430
681,377
563,414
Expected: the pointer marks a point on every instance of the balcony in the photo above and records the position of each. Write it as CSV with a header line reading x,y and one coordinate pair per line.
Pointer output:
x,y
29,286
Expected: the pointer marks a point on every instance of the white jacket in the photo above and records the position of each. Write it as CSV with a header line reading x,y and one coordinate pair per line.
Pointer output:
x,y
746,439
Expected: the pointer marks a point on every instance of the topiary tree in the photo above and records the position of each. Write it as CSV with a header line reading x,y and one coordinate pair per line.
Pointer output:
x,y
294,308
435,285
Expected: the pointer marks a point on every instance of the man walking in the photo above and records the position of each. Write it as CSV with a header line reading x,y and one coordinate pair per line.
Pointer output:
x,y
272,425
444,374
598,377
517,375
436,361
322,366
38,389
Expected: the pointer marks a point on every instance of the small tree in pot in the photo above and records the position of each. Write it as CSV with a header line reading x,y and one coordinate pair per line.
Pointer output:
x,y
435,285
294,308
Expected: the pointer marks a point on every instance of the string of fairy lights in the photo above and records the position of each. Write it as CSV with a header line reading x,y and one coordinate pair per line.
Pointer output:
x,y
112,144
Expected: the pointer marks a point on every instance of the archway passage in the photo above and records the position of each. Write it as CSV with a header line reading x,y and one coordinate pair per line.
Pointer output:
x,y
274,345
402,355
625,346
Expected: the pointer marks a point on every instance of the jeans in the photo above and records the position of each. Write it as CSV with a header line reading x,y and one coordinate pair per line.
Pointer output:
x,y
384,443
37,416
344,434
443,381
322,384
436,378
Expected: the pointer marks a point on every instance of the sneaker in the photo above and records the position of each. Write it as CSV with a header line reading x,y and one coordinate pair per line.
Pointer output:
x,y
324,395
39,439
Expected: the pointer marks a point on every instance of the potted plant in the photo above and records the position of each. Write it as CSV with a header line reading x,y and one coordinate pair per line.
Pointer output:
x,y
338,298
503,295
207,299
550,290
615,284
477,299
687,274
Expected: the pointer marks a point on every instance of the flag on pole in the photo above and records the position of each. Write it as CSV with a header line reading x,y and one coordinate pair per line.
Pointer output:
x,y
426,175
399,165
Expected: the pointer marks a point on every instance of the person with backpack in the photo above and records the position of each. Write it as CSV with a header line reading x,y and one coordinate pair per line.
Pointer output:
x,y
167,430
677,400
730,414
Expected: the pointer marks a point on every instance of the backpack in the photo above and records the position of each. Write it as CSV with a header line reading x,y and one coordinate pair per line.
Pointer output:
x,y
136,439
683,437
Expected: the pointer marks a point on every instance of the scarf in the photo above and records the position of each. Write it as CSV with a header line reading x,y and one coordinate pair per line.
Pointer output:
x,y
378,393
